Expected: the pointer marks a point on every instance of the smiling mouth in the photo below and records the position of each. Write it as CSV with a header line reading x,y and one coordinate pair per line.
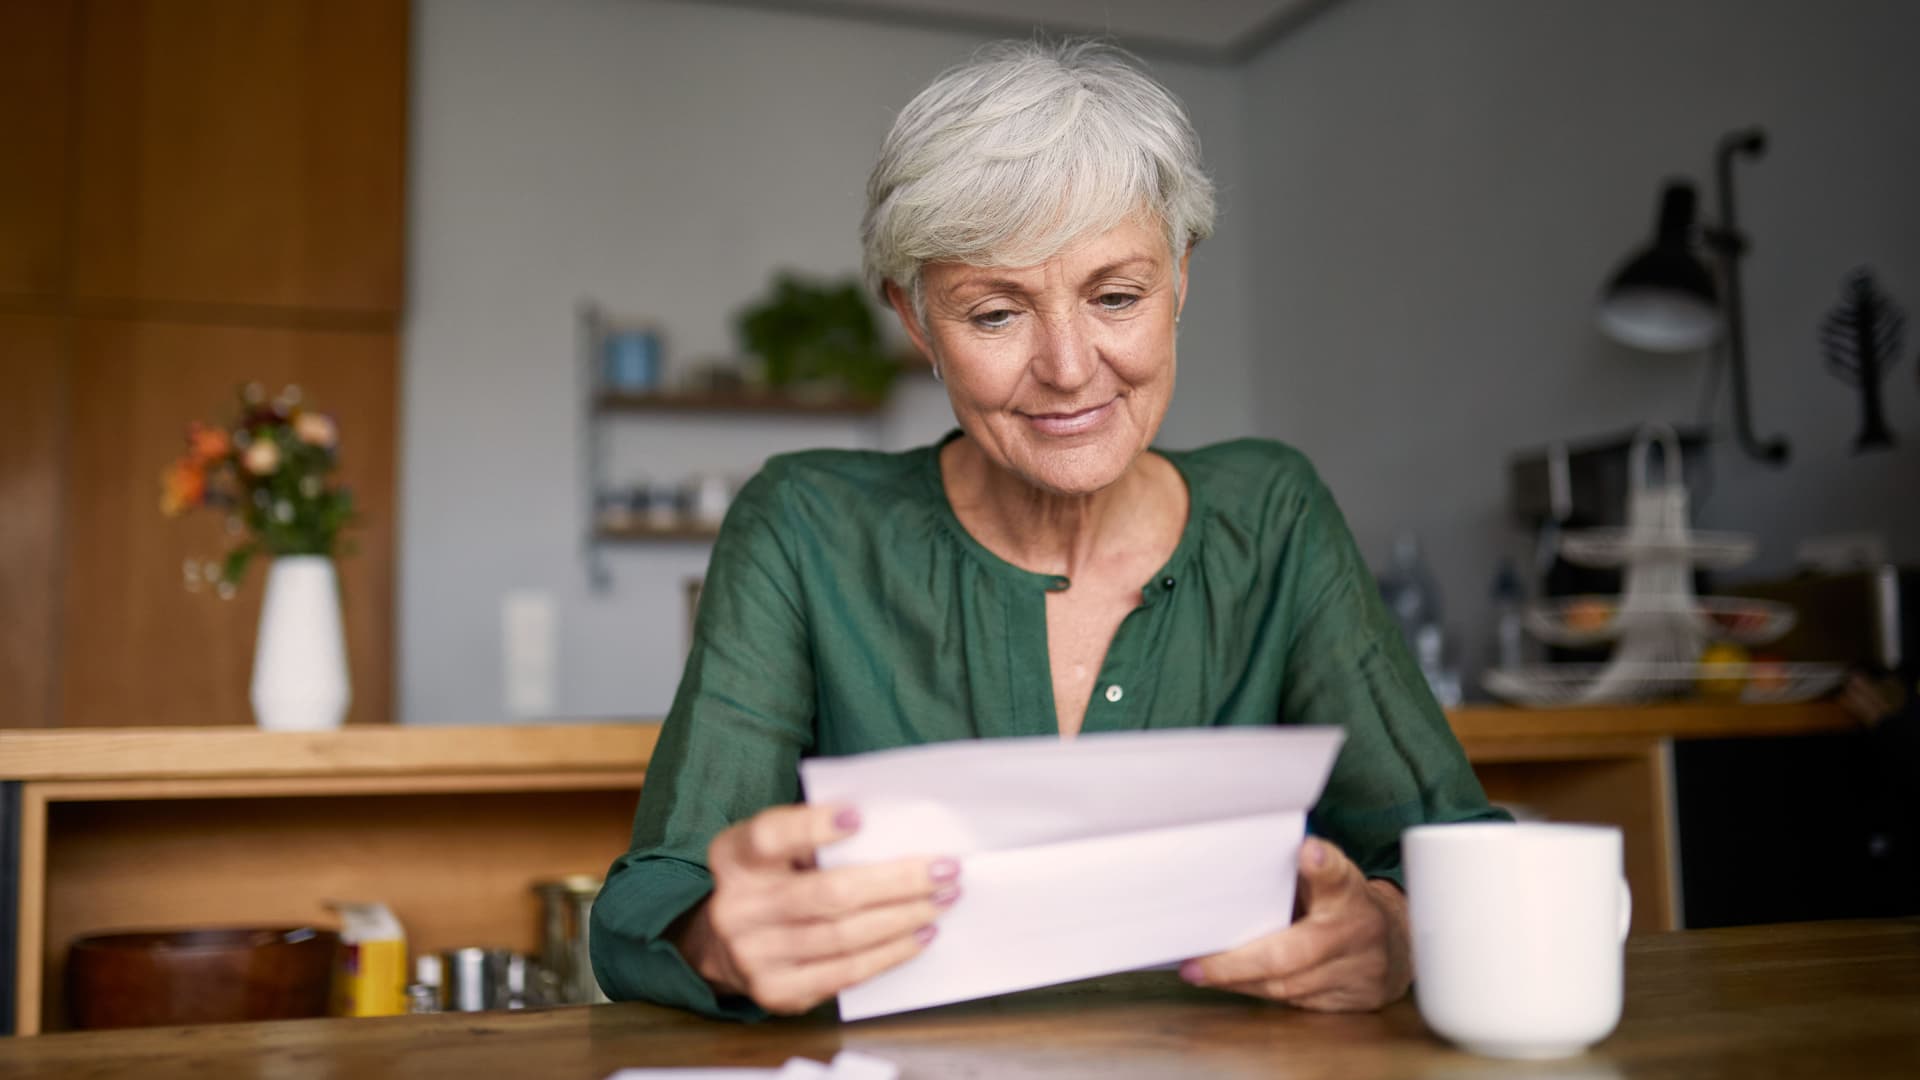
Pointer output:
x,y
1071,422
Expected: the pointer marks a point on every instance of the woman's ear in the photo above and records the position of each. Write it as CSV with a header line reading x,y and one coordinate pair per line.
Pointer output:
x,y
910,322
1186,262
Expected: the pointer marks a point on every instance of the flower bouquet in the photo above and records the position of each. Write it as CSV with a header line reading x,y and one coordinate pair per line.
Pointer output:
x,y
272,473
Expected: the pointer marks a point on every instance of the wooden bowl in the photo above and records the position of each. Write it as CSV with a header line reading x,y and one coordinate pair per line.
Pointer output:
x,y
198,976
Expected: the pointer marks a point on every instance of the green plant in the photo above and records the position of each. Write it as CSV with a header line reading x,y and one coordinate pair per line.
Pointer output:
x,y
818,331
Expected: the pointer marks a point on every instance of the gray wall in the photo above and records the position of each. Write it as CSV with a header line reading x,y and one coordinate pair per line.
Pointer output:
x,y
663,158
1419,201
1438,190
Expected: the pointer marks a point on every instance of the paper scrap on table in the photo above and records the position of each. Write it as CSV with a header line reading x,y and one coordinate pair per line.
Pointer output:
x,y
846,1065
1081,857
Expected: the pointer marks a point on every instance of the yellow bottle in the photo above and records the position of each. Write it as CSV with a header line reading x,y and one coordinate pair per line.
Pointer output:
x,y
370,972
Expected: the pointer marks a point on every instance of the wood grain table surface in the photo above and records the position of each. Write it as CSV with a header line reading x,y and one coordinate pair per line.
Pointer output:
x,y
1817,1000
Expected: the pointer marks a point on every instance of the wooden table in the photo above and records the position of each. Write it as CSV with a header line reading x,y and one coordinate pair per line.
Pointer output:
x,y
451,824
1816,1000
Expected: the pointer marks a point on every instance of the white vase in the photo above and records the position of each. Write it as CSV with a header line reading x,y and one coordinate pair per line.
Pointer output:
x,y
300,659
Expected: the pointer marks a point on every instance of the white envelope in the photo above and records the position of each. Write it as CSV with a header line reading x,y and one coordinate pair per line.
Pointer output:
x,y
1081,857
846,1065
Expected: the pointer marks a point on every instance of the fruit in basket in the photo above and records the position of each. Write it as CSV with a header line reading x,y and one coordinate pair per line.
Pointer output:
x,y
1723,671
1741,620
1587,613
1767,676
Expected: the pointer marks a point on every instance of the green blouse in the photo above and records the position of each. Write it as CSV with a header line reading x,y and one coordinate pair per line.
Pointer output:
x,y
846,610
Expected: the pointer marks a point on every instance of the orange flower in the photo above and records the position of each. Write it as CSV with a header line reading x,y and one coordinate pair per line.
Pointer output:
x,y
206,444
183,486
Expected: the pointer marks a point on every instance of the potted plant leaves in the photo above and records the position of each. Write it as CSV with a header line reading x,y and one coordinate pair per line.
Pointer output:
x,y
817,339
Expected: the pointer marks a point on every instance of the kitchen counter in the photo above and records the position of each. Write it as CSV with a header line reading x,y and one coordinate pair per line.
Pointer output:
x,y
125,827
586,753
590,753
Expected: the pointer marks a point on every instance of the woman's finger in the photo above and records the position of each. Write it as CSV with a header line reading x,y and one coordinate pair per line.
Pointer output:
x,y
862,930
779,837
1280,955
1342,977
1326,874
795,988
832,894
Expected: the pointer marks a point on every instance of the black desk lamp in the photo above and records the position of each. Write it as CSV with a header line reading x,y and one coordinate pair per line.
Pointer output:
x,y
1664,299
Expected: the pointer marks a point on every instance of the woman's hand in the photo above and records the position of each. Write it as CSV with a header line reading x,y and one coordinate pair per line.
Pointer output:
x,y
790,936
1349,950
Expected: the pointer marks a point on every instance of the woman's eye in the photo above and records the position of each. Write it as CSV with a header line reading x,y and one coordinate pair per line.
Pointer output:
x,y
993,320
1117,301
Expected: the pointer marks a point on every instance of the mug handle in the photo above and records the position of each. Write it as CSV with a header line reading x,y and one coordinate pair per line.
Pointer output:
x,y
1626,908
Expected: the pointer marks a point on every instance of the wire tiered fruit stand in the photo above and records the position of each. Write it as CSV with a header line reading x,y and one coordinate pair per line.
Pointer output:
x,y
1661,627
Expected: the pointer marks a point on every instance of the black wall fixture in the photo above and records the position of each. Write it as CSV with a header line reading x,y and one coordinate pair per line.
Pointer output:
x,y
1861,339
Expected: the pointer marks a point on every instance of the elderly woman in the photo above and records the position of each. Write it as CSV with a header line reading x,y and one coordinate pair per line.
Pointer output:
x,y
1042,571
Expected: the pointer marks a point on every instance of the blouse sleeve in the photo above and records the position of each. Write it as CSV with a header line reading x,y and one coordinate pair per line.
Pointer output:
x,y
730,747
1347,665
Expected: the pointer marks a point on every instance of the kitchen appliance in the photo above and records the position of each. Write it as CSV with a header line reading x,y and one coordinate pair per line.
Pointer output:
x,y
1585,484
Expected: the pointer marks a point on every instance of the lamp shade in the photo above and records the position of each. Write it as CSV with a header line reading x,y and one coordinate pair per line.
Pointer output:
x,y
1663,298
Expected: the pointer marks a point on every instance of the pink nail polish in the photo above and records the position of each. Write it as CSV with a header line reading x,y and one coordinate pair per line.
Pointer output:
x,y
847,820
924,935
1316,853
1190,972
945,895
944,869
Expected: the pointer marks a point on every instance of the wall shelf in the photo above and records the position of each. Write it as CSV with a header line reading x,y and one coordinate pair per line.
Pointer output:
x,y
641,533
601,409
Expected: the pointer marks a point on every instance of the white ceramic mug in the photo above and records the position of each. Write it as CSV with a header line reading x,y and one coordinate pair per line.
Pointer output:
x,y
1517,934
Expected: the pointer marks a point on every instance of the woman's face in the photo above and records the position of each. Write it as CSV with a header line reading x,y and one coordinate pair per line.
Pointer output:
x,y
1060,372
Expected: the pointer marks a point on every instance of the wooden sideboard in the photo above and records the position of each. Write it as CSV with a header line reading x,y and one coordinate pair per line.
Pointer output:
x,y
118,828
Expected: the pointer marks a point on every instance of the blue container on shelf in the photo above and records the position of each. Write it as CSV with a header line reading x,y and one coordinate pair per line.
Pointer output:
x,y
632,359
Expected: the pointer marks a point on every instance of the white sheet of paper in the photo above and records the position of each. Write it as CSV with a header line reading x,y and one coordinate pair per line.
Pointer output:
x,y
1081,857
695,1074
846,1065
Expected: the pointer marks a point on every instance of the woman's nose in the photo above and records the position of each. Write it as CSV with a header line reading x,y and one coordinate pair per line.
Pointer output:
x,y
1064,356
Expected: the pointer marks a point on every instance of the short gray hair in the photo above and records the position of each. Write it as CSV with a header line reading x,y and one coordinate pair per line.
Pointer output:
x,y
1010,157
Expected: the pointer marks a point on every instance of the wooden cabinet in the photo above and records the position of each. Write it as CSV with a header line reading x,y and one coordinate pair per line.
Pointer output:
x,y
32,394
233,152
37,41
449,826
194,194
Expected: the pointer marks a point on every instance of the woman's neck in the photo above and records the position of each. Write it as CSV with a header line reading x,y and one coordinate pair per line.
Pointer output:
x,y
1049,533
